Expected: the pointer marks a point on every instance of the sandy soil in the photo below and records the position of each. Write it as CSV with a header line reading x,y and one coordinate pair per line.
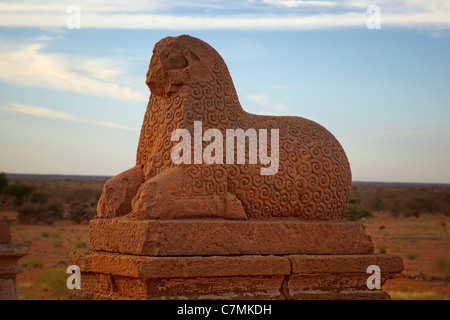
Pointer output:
x,y
420,241
49,246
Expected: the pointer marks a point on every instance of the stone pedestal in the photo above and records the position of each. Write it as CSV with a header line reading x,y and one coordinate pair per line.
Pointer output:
x,y
121,276
189,259
9,254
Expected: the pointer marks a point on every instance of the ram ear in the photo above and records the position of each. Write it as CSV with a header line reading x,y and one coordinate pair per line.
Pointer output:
x,y
190,55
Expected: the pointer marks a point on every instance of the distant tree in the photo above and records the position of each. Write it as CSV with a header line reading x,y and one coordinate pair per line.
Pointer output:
x,y
28,213
355,211
377,203
81,211
94,204
38,196
53,210
31,213
82,194
396,207
19,191
446,200
3,181
417,205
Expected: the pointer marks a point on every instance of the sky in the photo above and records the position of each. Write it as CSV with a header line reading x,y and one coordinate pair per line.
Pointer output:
x,y
376,74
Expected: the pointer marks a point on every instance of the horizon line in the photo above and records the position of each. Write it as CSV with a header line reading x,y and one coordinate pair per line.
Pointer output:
x,y
111,176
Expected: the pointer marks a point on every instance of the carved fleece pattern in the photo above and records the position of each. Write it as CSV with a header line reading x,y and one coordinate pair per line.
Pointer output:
x,y
314,178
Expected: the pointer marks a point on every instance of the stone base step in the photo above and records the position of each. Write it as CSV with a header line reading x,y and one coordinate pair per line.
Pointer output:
x,y
224,237
121,276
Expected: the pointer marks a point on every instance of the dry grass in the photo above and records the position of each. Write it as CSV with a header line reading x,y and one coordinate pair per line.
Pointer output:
x,y
54,279
80,243
32,261
57,241
442,266
381,248
25,285
408,295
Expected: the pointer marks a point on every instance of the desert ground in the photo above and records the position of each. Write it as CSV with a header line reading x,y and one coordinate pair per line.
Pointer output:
x,y
424,244
422,239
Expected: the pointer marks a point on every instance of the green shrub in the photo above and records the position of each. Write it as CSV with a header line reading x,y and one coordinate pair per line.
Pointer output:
x,y
80,212
54,210
45,234
3,181
82,194
355,211
412,255
19,191
38,196
31,213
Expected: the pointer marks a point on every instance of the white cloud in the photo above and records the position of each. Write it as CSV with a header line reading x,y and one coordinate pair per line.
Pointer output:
x,y
61,115
108,6
47,38
270,14
259,98
270,107
417,20
85,5
29,65
300,3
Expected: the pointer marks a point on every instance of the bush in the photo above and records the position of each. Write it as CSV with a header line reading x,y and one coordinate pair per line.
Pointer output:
x,y
28,213
415,206
355,211
32,213
82,194
54,210
3,181
80,212
404,200
45,234
412,255
38,196
19,191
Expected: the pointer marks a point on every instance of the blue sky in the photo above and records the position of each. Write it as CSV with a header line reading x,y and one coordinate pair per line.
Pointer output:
x,y
72,101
